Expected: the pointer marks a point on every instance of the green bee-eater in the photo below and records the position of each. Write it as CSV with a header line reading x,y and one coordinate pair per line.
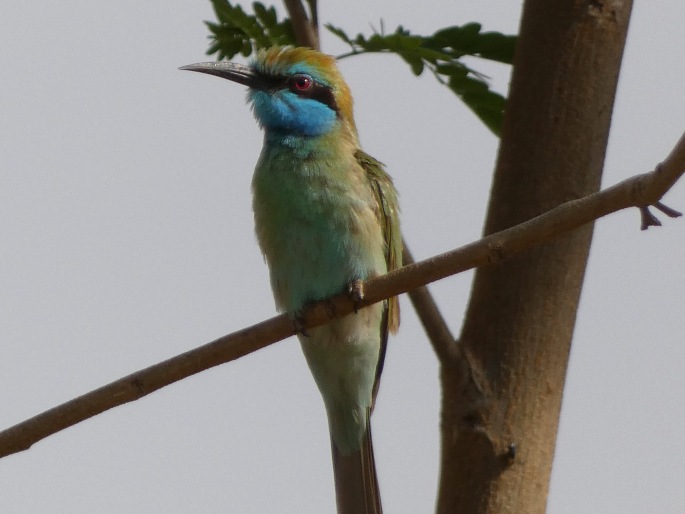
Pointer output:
x,y
326,218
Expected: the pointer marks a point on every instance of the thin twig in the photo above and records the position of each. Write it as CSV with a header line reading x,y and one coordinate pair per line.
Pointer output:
x,y
306,30
433,322
638,191
314,11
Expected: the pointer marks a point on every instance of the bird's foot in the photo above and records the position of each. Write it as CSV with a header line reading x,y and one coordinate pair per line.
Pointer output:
x,y
355,290
649,220
297,320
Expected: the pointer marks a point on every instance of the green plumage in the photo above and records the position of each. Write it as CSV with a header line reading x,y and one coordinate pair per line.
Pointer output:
x,y
326,217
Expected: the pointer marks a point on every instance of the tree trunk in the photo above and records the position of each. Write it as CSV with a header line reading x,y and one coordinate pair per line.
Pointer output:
x,y
502,395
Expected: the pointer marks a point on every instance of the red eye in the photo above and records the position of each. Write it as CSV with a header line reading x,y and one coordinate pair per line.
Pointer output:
x,y
302,82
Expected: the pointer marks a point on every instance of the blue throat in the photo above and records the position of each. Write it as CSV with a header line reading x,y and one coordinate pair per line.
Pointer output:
x,y
284,111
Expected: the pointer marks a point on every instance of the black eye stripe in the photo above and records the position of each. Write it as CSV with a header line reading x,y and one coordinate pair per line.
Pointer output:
x,y
318,91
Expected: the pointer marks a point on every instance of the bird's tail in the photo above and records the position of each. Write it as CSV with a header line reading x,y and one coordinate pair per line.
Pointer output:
x,y
356,484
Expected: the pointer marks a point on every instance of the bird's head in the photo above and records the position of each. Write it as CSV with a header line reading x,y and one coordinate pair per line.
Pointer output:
x,y
292,89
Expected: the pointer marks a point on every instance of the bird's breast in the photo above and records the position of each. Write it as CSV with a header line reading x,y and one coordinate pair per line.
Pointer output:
x,y
316,223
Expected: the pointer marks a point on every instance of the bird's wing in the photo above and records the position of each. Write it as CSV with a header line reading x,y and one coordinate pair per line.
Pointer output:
x,y
388,216
388,213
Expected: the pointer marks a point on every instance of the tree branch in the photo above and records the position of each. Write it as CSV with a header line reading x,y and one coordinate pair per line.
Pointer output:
x,y
433,322
639,191
306,30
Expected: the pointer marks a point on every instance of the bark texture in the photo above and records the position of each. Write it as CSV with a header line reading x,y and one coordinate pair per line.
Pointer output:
x,y
502,393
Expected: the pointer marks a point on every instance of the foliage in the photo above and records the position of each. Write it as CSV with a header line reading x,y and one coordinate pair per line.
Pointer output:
x,y
238,32
440,53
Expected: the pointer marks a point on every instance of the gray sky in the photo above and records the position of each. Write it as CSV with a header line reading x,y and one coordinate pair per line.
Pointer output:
x,y
127,238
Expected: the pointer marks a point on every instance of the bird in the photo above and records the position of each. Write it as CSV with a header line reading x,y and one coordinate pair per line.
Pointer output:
x,y
327,219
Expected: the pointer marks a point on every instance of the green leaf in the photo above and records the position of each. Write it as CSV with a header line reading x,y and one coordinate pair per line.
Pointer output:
x,y
267,17
441,53
468,40
414,61
238,32
339,32
486,104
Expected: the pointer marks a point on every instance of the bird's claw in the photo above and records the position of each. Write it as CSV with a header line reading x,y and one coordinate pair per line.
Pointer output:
x,y
298,322
649,220
330,309
356,291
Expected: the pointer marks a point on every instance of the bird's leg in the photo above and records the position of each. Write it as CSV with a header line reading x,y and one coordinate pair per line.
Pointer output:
x,y
356,291
297,317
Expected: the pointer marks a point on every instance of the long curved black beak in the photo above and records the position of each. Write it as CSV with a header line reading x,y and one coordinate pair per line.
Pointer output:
x,y
229,70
